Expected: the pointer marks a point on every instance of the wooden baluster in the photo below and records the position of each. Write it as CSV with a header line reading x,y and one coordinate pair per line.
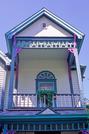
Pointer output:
x,y
28,100
44,101
40,101
24,98
20,100
32,100
16,100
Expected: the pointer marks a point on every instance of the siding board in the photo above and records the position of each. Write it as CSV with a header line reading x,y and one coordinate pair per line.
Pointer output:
x,y
2,81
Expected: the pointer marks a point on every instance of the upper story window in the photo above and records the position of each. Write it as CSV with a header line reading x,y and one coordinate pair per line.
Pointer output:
x,y
46,81
46,88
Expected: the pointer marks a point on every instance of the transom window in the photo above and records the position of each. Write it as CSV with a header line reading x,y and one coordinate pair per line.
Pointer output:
x,y
46,88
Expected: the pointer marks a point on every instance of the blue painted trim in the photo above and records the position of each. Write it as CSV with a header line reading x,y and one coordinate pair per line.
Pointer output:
x,y
10,97
72,117
46,38
17,72
5,129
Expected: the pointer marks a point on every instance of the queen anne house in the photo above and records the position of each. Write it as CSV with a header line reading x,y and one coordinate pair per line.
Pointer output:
x,y
41,86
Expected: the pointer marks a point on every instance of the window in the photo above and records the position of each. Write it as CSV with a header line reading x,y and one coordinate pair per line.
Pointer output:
x,y
46,88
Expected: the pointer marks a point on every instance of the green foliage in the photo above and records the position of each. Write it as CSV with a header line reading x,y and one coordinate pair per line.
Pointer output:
x,y
48,93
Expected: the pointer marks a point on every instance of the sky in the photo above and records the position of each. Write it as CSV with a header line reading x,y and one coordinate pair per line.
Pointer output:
x,y
75,12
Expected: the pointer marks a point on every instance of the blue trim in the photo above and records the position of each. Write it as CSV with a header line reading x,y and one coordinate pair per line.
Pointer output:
x,y
10,99
17,72
45,38
5,129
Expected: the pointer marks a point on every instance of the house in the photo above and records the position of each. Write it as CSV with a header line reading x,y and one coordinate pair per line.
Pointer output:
x,y
42,84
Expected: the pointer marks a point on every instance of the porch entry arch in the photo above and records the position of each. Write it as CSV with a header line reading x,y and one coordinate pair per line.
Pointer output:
x,y
46,89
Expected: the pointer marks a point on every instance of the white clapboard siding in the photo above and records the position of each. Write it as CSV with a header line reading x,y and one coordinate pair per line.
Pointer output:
x,y
75,81
7,89
2,80
28,70
37,30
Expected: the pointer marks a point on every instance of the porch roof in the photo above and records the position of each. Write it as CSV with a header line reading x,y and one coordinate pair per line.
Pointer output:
x,y
70,117
35,115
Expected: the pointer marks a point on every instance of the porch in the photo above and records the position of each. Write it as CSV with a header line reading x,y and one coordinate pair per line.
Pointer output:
x,y
43,69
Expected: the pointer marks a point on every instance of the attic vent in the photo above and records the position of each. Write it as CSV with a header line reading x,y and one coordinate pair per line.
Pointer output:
x,y
44,25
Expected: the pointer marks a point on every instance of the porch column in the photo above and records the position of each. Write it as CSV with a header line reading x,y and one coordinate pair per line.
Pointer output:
x,y
17,71
5,129
78,73
10,92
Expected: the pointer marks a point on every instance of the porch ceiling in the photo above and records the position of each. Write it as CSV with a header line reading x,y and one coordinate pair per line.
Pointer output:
x,y
44,54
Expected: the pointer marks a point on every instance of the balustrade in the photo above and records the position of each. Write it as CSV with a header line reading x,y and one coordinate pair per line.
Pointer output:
x,y
58,100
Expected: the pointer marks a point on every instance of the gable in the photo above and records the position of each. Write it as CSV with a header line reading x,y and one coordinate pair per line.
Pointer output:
x,y
51,30
32,26
47,111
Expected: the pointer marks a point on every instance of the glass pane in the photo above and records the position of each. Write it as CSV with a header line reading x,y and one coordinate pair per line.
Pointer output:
x,y
46,86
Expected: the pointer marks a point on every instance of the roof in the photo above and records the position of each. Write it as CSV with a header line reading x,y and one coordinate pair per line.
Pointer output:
x,y
43,12
31,115
4,58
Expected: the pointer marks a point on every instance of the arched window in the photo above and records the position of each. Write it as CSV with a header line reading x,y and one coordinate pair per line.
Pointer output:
x,y
46,88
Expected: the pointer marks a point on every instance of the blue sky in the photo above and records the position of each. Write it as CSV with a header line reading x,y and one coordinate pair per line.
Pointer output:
x,y
75,12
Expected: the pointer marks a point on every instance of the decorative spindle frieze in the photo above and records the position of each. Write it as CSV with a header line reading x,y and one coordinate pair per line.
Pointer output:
x,y
44,44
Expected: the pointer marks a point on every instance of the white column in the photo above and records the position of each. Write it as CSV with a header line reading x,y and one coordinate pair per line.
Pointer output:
x,y
78,73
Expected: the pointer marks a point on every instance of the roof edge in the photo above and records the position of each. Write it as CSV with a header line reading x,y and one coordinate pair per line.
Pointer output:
x,y
5,58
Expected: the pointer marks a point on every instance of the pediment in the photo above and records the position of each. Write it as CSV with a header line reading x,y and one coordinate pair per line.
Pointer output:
x,y
37,29
47,111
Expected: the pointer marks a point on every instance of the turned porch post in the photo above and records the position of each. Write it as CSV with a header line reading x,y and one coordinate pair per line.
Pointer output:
x,y
10,91
5,129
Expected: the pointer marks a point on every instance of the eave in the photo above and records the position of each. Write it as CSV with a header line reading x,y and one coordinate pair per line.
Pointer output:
x,y
4,58
45,117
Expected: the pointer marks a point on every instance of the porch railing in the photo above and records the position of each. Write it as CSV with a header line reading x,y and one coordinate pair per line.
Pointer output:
x,y
59,100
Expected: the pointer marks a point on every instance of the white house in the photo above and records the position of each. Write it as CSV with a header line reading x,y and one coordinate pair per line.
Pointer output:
x,y
42,84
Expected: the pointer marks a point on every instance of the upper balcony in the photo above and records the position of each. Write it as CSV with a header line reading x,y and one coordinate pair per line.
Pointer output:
x,y
45,70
